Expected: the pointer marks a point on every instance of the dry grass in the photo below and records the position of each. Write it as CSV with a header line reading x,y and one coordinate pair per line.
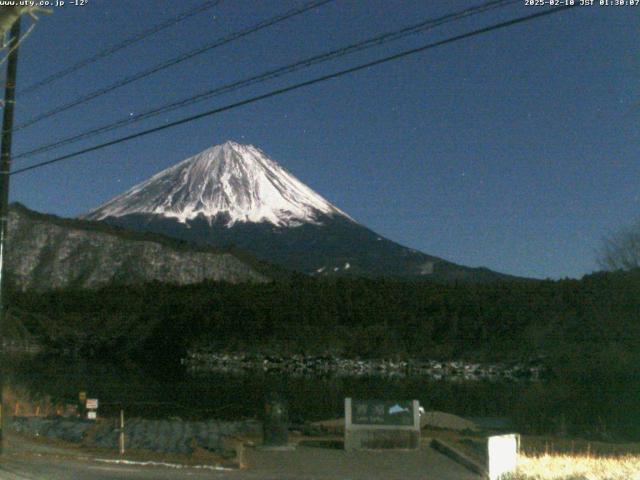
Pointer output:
x,y
538,445
577,467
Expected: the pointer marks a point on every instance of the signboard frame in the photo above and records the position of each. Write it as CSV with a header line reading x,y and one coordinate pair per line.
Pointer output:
x,y
382,432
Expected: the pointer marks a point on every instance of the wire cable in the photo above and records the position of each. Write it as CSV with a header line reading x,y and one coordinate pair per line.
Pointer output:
x,y
18,43
120,46
297,86
272,74
175,61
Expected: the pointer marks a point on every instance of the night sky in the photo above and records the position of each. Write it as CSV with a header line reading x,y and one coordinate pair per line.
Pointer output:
x,y
517,150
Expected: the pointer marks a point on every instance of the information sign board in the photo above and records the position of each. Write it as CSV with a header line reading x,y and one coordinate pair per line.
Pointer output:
x,y
382,412
377,424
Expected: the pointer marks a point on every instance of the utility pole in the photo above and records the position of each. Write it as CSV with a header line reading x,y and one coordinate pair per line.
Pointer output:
x,y
5,170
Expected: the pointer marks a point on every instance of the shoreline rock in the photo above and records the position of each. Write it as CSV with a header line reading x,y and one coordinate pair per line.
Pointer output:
x,y
299,365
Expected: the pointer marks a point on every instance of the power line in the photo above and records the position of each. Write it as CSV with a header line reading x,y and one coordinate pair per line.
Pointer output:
x,y
297,86
22,39
272,74
12,49
170,63
120,46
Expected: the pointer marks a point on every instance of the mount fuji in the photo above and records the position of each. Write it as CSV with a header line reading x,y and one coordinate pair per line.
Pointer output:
x,y
234,194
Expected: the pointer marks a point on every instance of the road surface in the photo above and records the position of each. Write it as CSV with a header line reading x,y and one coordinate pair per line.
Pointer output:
x,y
24,461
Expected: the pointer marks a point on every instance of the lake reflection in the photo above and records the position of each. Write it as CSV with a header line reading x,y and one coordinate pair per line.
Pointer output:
x,y
154,393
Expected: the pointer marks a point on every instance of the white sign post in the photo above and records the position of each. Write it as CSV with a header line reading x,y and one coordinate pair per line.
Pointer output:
x,y
91,407
503,454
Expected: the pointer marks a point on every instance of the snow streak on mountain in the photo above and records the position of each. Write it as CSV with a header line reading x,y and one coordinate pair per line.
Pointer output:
x,y
236,182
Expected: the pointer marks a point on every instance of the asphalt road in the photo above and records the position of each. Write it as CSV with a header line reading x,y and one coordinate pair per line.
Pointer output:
x,y
304,463
50,468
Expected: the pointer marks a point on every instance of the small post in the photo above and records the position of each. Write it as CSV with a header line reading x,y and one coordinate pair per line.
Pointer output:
x,y
82,404
276,420
122,432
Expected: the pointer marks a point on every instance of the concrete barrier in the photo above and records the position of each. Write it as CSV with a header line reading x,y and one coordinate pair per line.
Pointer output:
x,y
459,457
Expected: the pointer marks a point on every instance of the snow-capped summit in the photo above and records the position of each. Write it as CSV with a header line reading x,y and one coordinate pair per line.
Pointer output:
x,y
236,182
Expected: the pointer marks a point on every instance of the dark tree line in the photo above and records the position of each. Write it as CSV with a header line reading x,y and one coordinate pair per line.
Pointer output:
x,y
587,331
352,317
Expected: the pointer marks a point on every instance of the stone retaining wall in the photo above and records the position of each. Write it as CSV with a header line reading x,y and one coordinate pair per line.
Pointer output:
x,y
165,436
204,362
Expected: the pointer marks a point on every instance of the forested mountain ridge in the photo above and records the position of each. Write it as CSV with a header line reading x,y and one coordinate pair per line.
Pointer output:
x,y
367,317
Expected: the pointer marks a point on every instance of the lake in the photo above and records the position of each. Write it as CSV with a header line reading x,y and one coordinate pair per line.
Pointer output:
x,y
157,393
